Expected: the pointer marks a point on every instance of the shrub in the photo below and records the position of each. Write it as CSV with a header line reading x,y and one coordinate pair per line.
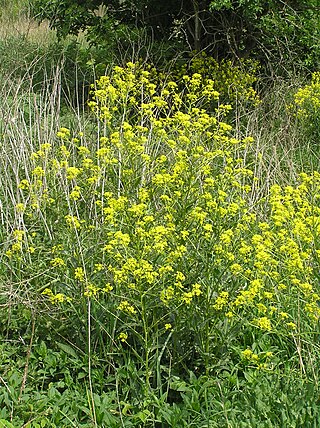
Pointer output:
x,y
146,240
307,103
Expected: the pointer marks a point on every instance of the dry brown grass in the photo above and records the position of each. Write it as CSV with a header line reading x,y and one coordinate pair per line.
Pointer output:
x,y
28,28
18,22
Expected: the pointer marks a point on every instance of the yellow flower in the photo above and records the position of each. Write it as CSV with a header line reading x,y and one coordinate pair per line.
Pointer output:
x,y
20,208
57,262
65,152
38,172
83,151
196,289
123,337
291,325
107,288
235,268
221,300
75,193
264,323
63,133
284,315
72,221
98,267
126,307
18,235
72,172
91,290
79,274
55,298
180,277
249,355
229,314
24,185
167,294
187,297
9,253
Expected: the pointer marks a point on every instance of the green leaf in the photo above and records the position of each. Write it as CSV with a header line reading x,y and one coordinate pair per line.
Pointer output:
x,y
5,424
67,349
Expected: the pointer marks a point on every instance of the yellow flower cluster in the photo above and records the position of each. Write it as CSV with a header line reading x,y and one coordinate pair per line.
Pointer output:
x,y
137,94
275,258
233,81
307,99
17,245
123,337
260,361
55,298
159,218
125,306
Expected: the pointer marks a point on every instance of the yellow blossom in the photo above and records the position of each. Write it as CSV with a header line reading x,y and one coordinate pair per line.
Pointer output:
x,y
123,337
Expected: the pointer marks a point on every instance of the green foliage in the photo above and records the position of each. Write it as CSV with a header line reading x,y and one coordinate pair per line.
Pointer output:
x,y
70,16
35,66
257,399
271,31
14,9
67,15
307,107
120,32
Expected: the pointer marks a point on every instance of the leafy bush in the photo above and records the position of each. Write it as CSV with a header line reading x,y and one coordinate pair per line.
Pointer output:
x,y
234,81
282,35
307,103
140,255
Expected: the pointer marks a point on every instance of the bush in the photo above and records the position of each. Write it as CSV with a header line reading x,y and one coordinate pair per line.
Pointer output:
x,y
307,104
146,239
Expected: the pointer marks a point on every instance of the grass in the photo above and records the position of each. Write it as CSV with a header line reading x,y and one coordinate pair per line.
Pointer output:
x,y
16,20
159,267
